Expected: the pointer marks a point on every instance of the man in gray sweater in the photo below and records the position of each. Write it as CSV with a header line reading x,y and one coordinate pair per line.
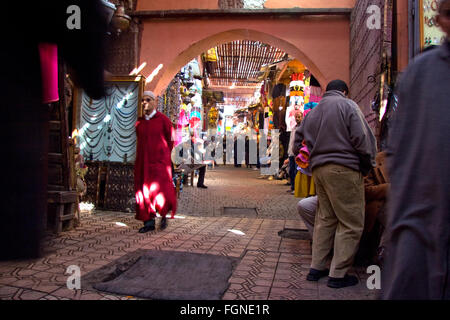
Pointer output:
x,y
342,150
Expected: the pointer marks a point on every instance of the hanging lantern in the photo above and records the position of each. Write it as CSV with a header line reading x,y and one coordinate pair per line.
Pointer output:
x,y
120,21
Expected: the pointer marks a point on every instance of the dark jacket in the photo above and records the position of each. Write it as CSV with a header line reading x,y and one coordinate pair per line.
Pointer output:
x,y
336,132
417,259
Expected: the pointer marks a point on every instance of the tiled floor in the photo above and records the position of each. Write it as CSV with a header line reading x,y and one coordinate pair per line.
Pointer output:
x,y
271,267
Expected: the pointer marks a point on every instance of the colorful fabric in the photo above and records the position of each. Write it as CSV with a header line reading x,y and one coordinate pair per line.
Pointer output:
x,y
302,159
290,117
48,53
183,119
304,186
308,107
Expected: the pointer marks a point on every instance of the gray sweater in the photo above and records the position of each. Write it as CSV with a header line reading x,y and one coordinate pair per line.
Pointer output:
x,y
336,132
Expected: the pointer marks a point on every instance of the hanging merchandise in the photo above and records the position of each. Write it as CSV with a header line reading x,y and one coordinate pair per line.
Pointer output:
x,y
290,117
198,86
105,132
308,107
316,94
263,92
213,115
194,69
183,121
195,118
297,91
184,91
307,81
266,119
297,85
279,101
211,55
270,126
279,90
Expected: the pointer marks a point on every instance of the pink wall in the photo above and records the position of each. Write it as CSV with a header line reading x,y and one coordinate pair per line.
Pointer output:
x,y
320,43
277,4
144,5
214,4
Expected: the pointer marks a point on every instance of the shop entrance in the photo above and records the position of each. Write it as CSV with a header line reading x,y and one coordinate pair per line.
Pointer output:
x,y
227,102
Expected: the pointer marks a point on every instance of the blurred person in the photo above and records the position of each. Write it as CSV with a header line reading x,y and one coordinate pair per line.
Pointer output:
x,y
153,166
199,156
342,149
266,161
417,259
34,40
291,154
235,153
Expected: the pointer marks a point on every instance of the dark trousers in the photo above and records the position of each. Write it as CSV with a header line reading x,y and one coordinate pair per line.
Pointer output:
x,y
292,171
201,176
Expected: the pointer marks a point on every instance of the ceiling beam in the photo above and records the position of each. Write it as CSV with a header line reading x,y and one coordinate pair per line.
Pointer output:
x,y
233,79
240,13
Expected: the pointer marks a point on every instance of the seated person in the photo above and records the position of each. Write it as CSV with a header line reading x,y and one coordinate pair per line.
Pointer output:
x,y
376,188
198,164
265,162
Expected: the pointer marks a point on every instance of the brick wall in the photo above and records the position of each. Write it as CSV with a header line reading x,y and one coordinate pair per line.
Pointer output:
x,y
122,53
231,4
123,49
366,57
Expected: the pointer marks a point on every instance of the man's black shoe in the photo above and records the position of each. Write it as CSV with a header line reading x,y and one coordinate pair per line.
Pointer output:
x,y
148,226
202,186
346,281
163,223
315,275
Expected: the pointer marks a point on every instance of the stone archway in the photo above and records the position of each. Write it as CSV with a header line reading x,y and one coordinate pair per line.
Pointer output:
x,y
322,43
241,34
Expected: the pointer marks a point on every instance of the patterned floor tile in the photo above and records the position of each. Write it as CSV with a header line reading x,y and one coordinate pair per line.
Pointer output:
x,y
270,267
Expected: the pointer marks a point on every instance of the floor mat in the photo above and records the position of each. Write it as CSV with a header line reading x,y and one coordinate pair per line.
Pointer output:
x,y
164,275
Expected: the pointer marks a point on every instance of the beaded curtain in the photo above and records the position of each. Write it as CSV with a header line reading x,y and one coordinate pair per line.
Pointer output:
x,y
107,125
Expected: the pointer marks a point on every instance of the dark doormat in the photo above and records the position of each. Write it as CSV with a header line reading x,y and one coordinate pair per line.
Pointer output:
x,y
164,275
298,234
240,212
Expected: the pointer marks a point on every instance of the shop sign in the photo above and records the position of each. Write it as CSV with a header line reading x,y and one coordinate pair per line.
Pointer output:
x,y
430,32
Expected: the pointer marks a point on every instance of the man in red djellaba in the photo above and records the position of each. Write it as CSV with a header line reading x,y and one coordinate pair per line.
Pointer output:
x,y
153,184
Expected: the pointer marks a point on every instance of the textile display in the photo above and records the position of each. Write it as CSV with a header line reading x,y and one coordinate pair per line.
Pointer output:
x,y
213,115
211,55
183,121
308,107
290,117
304,186
302,159
107,125
48,53
307,90
278,91
297,86
316,94
195,117
171,103
278,104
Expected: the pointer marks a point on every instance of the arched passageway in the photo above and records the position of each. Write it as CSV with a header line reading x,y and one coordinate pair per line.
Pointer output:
x,y
322,47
